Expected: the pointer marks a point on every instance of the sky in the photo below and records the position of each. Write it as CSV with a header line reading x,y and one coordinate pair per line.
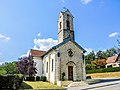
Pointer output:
x,y
32,24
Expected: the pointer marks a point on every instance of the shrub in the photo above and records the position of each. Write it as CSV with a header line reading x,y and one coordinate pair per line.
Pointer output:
x,y
63,75
43,78
10,82
37,78
30,79
102,70
88,77
2,72
90,66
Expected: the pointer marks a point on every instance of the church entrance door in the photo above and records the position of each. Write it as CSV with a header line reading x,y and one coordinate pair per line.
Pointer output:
x,y
70,72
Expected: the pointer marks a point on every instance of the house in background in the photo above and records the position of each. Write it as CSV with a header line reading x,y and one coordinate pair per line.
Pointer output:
x,y
113,61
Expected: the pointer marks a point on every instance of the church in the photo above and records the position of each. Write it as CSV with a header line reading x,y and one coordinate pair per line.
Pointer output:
x,y
66,57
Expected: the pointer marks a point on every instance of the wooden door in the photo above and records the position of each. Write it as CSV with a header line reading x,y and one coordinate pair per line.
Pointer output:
x,y
70,72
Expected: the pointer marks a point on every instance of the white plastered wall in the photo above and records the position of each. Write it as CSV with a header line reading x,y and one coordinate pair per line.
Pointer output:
x,y
39,65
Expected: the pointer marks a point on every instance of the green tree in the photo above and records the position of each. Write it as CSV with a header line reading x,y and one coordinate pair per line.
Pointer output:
x,y
99,55
10,67
91,67
111,52
118,40
89,57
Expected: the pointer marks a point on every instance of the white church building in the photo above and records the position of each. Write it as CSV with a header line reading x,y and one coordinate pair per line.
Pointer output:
x,y
66,57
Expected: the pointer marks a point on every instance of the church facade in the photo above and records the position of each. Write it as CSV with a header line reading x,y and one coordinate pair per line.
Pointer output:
x,y
67,57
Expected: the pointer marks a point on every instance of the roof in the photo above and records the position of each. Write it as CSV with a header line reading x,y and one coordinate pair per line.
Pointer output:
x,y
37,53
65,10
66,40
112,59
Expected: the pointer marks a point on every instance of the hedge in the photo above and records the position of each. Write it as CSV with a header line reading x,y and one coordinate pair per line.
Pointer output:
x,y
102,70
30,78
43,78
10,82
37,78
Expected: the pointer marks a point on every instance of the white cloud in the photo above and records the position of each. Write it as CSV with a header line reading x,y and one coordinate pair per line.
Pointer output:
x,y
1,63
4,38
39,34
44,44
113,34
88,50
86,1
26,55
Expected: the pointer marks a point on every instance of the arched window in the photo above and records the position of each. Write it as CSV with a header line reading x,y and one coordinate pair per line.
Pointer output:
x,y
52,64
47,68
68,16
60,25
68,25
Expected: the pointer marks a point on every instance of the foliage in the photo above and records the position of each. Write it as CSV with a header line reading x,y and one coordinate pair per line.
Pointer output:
x,y
37,78
30,78
90,57
118,40
10,82
101,70
99,63
2,71
100,55
90,66
63,75
8,68
26,66
88,77
43,78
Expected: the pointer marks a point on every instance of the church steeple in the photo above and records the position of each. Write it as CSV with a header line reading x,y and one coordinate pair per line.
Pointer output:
x,y
65,26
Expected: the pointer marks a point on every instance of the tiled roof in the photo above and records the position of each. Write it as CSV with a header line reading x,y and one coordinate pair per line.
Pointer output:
x,y
37,53
112,59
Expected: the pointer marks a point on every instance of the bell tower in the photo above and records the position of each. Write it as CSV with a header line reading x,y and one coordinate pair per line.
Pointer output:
x,y
65,26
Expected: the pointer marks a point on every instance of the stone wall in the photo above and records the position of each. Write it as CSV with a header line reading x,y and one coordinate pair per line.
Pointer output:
x,y
76,58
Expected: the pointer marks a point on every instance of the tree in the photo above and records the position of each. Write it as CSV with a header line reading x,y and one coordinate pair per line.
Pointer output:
x,y
91,67
118,40
26,66
10,67
99,63
89,57
111,52
99,55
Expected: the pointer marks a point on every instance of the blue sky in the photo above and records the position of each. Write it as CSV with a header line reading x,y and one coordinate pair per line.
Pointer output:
x,y
27,24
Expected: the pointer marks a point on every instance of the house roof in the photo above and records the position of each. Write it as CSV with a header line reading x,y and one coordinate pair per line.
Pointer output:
x,y
66,40
37,53
112,59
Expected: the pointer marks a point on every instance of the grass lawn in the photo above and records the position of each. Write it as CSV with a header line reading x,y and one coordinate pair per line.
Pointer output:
x,y
39,85
105,75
